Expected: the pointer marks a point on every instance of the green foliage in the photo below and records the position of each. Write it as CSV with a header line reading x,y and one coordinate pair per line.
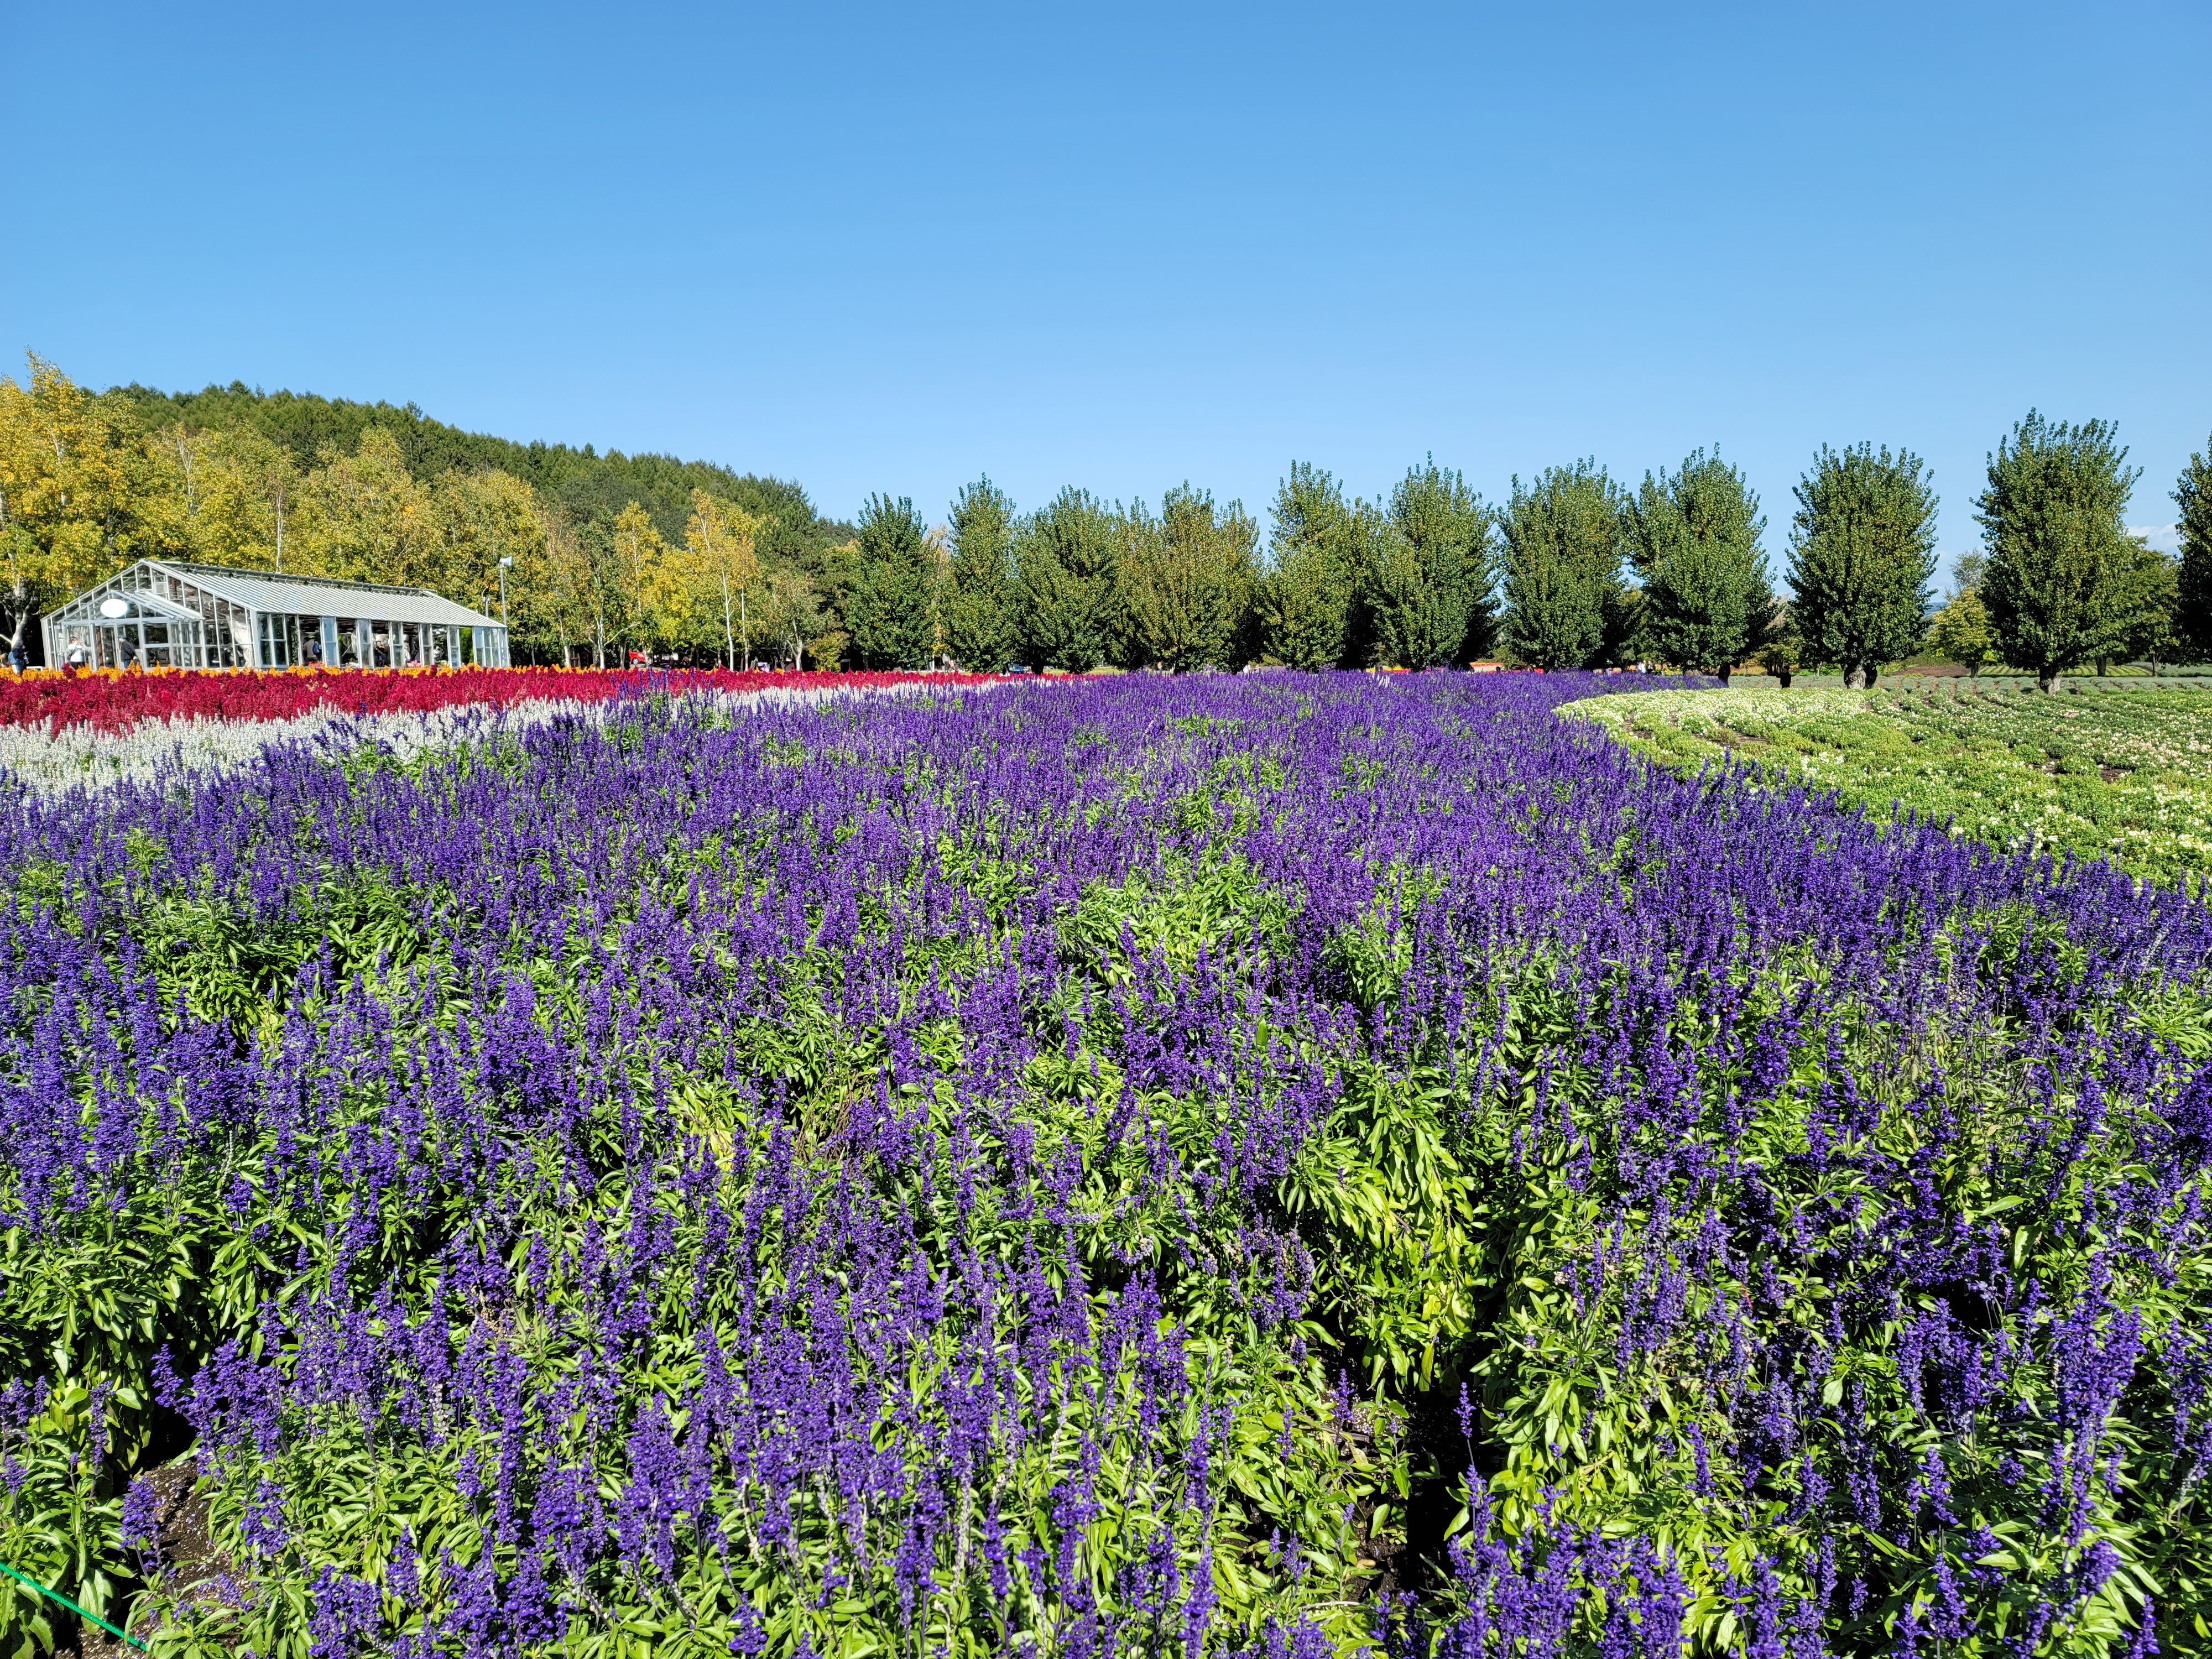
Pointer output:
x,y
1565,540
1962,633
196,1257
979,605
1065,555
1694,538
1782,649
1862,554
2116,774
2192,493
2054,518
892,616
589,486
1186,580
2145,603
1316,553
1473,1216
1428,585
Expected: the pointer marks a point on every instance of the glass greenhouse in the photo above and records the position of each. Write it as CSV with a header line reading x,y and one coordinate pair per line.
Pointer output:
x,y
165,613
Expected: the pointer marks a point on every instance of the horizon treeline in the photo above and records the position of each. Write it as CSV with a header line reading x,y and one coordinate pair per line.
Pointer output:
x,y
1572,569
608,551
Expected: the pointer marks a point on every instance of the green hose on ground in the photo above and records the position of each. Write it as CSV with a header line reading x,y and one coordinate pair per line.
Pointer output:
x,y
57,1596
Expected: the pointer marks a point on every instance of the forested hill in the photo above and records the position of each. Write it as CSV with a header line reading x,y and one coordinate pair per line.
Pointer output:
x,y
592,487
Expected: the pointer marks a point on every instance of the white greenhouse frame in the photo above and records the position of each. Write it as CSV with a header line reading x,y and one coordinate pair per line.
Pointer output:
x,y
167,613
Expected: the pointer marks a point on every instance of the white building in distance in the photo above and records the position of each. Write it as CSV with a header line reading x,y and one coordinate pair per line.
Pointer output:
x,y
167,613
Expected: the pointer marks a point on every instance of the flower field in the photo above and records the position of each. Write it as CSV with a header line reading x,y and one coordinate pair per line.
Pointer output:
x,y
114,699
2124,775
1278,1164
398,715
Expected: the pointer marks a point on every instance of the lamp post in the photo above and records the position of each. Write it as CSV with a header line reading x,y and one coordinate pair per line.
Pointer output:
x,y
507,641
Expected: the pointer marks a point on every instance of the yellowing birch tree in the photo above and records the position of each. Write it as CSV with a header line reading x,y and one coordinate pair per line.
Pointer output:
x,y
364,518
635,553
722,572
69,501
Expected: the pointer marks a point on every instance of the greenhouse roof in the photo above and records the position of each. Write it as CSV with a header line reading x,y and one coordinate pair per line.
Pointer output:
x,y
279,591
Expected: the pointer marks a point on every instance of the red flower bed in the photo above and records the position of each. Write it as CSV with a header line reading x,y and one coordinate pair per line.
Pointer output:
x,y
111,699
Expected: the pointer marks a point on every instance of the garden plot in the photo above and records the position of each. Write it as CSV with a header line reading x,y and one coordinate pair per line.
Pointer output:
x,y
197,748
1276,1165
2124,775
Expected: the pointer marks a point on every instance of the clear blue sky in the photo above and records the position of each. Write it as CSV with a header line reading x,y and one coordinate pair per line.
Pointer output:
x,y
891,248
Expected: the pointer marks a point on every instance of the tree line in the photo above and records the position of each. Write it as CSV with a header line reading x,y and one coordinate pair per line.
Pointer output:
x,y
1573,570
597,554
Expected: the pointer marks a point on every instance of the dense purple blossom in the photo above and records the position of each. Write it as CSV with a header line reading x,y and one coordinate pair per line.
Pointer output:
x,y
1097,1165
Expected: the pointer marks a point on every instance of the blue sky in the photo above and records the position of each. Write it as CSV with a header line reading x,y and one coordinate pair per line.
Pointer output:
x,y
892,248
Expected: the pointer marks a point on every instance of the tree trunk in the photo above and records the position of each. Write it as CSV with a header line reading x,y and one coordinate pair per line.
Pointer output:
x,y
730,651
1854,677
2046,680
2104,666
1724,676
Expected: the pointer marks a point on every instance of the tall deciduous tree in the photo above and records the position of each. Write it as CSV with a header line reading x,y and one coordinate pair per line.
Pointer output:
x,y
479,519
634,548
2193,609
594,594
1307,598
364,517
2054,518
1186,579
1961,633
1427,589
706,593
248,499
980,607
1067,613
1694,539
1862,554
893,614
791,616
72,491
1567,604
2140,609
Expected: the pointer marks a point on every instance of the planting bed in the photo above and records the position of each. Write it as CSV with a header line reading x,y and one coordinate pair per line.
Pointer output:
x,y
58,730
2121,774
113,700
1280,1164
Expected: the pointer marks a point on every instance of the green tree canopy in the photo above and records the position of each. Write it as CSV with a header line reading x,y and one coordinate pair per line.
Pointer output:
x,y
893,612
2141,621
1694,539
1307,598
2054,518
979,607
1427,586
2193,609
1962,633
1862,554
1066,615
1565,539
1186,579
589,485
